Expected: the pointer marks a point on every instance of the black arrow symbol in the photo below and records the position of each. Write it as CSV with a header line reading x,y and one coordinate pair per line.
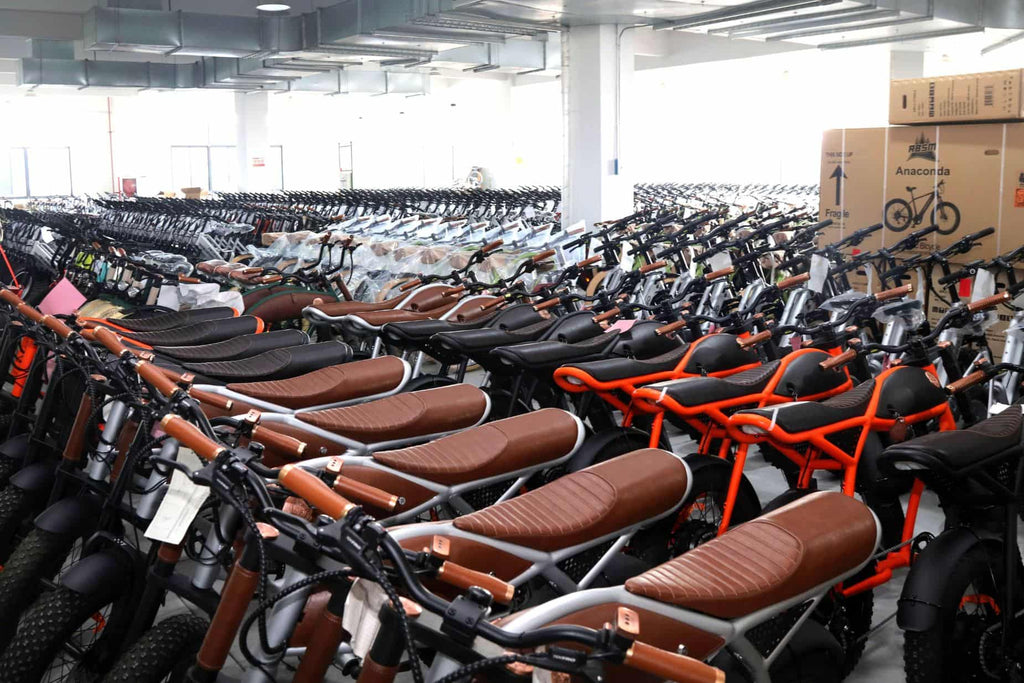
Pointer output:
x,y
839,176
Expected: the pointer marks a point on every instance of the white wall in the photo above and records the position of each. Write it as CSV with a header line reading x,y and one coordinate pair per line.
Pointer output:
x,y
753,120
513,132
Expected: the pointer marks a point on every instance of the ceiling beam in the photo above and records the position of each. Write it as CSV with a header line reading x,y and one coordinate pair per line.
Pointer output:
x,y
47,25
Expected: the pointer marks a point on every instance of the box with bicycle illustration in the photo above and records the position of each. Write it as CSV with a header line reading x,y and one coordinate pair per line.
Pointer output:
x,y
961,178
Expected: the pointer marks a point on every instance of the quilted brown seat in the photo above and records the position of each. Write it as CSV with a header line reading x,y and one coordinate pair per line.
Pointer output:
x,y
588,504
340,308
404,416
489,450
332,384
400,315
768,560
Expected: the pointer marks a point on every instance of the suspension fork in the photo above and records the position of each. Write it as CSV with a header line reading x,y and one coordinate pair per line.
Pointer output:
x,y
323,644
235,598
381,663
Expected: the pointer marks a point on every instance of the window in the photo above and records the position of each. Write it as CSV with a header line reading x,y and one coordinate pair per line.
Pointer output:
x,y
36,172
275,167
210,168
345,165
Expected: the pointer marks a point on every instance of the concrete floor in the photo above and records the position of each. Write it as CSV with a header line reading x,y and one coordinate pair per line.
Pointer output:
x,y
883,658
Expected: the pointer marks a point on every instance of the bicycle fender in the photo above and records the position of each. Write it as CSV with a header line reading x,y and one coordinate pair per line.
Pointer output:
x,y
920,603
106,574
592,446
73,516
698,462
36,478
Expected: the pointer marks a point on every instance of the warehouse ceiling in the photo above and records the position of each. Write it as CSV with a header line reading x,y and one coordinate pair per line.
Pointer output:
x,y
393,46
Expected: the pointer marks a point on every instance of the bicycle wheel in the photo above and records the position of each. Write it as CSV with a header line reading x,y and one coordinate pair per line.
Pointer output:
x,y
39,556
898,215
164,653
56,634
959,648
947,217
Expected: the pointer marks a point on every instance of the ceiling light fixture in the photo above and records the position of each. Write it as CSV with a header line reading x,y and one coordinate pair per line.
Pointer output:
x,y
273,7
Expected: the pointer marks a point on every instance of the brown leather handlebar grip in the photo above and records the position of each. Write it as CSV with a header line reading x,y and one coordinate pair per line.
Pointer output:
x,y
545,305
544,255
142,355
671,327
406,286
371,495
58,326
588,261
715,274
652,266
111,341
189,435
189,280
30,313
492,304
9,297
607,315
455,291
282,443
488,248
838,361
793,281
669,665
465,578
156,378
211,399
270,279
988,302
75,446
754,339
894,293
967,381
311,489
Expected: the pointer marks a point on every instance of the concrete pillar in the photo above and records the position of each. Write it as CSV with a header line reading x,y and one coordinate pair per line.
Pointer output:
x,y
252,141
597,77
906,64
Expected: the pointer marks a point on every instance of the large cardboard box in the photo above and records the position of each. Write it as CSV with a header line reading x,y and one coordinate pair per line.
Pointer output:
x,y
893,176
964,178
993,96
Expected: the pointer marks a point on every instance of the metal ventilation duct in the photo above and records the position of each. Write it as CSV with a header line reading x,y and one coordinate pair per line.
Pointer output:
x,y
86,74
191,33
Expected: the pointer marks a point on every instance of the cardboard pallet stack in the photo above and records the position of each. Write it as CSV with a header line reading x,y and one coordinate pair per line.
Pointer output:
x,y
954,157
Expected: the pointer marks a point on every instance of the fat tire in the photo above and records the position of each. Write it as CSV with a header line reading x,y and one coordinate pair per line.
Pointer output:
x,y
39,556
930,656
42,633
8,466
715,482
166,650
16,506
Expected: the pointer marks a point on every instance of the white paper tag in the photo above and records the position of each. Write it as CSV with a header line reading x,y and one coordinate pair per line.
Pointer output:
x,y
984,285
362,615
179,507
720,261
625,262
871,278
529,212
819,271
169,297
541,675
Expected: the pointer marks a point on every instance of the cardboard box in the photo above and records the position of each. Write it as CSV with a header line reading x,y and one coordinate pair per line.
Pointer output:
x,y
993,96
192,192
965,178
